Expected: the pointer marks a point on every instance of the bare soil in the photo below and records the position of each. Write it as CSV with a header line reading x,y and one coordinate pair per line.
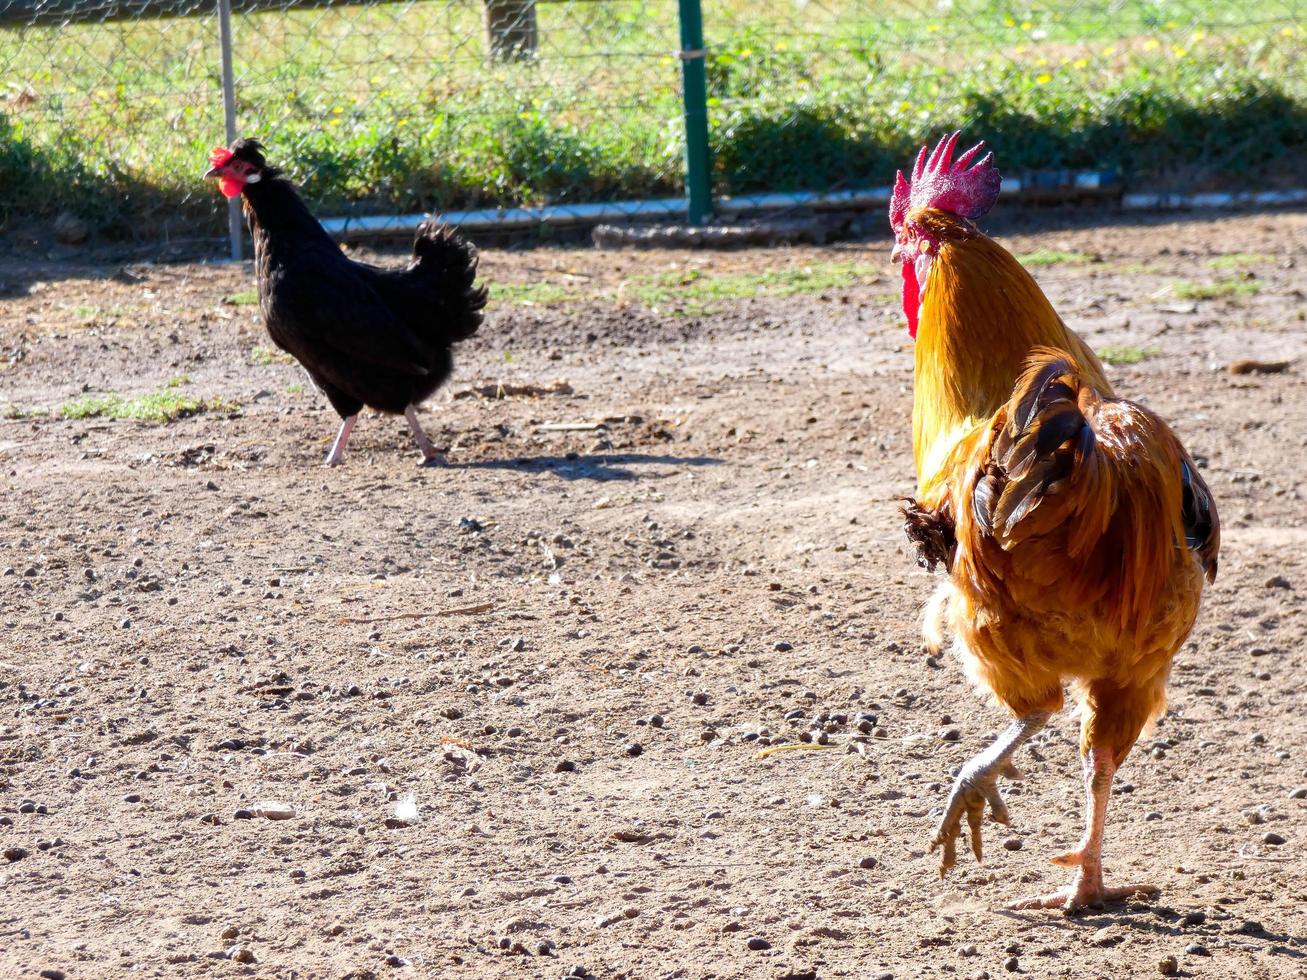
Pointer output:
x,y
200,620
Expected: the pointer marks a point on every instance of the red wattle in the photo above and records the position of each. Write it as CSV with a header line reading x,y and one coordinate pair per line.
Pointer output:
x,y
911,298
230,186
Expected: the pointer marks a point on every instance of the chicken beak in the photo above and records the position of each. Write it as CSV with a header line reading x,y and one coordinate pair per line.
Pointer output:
x,y
213,172
896,253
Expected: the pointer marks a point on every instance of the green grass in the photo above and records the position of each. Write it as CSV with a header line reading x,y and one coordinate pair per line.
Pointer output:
x,y
1221,289
696,290
531,294
164,406
394,108
246,297
1048,256
263,356
1239,260
1125,354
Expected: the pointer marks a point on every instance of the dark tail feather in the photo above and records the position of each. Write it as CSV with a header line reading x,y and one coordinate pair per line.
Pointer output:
x,y
451,260
932,531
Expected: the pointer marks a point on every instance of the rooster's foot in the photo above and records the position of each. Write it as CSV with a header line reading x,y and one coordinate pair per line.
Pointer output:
x,y
977,787
1088,891
437,458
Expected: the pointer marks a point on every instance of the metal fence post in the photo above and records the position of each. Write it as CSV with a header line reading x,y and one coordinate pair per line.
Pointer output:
x,y
698,173
229,111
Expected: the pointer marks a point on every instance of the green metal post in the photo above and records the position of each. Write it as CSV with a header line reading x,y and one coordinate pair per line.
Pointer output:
x,y
694,76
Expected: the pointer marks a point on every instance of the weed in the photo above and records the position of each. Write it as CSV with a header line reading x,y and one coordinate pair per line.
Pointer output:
x,y
530,294
263,356
1126,354
155,407
1048,256
1239,260
1222,288
246,297
693,290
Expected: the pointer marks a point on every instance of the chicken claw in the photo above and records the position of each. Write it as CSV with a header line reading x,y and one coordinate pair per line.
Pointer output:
x,y
1084,893
977,786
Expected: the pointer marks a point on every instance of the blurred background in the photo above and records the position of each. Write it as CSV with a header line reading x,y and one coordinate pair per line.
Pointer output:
x,y
107,109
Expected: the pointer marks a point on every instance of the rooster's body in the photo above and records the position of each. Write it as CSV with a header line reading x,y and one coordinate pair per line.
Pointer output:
x,y
367,336
1075,528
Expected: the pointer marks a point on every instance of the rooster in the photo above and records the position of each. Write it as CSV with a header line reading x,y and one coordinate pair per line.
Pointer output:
x,y
1074,527
365,335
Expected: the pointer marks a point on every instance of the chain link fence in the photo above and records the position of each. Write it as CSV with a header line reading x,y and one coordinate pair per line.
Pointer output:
x,y
107,108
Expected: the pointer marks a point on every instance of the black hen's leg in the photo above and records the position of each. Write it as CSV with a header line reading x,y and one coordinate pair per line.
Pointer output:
x,y
337,454
431,456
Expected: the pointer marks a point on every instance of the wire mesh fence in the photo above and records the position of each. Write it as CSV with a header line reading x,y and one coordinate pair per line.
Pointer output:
x,y
107,108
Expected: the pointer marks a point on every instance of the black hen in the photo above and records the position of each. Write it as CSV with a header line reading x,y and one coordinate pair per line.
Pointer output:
x,y
366,335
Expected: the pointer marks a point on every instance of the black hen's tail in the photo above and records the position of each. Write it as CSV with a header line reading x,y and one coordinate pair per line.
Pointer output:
x,y
449,263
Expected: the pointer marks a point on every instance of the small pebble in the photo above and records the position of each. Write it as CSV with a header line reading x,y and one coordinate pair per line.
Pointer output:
x,y
950,734
1193,918
1012,964
242,954
13,854
1278,582
1168,966
1013,844
1271,837
1197,949
243,814
699,697
132,798
27,806
655,721
781,646
1299,794
757,943
565,765
51,974
867,863
633,749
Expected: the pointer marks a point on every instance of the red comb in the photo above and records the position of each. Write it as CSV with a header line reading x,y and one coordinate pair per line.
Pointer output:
x,y
939,181
219,155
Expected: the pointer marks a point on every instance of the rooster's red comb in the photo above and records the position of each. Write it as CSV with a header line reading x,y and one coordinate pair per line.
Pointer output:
x,y
219,155
939,181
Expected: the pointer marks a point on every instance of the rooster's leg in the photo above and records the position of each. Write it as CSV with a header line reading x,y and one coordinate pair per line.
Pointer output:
x,y
337,454
977,785
431,456
1088,889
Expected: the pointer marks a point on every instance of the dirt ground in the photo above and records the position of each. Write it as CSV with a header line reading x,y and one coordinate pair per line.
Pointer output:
x,y
565,648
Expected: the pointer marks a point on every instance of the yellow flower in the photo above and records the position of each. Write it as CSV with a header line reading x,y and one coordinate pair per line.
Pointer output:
x,y
932,28
1109,51
1286,32
1041,62
1178,51
1199,35
1152,44
1081,63
1044,79
1026,25
1009,21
